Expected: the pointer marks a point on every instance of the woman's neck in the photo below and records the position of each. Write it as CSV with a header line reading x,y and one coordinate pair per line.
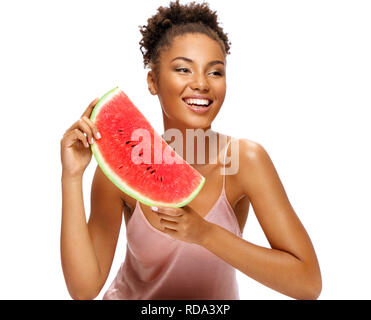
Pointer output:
x,y
198,147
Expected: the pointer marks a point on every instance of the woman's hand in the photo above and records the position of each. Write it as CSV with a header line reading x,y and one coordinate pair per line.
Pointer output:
x,y
75,151
183,223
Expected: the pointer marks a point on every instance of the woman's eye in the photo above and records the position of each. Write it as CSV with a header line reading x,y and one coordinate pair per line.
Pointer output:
x,y
216,73
184,70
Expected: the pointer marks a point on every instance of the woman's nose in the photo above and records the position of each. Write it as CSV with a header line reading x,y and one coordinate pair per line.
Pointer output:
x,y
199,82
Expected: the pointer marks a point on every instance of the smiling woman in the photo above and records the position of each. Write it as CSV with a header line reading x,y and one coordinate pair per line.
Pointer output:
x,y
191,81
191,252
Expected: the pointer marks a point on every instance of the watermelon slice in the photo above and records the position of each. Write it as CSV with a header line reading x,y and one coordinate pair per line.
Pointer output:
x,y
132,164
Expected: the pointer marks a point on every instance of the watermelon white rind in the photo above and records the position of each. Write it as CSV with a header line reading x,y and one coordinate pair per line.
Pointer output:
x,y
118,181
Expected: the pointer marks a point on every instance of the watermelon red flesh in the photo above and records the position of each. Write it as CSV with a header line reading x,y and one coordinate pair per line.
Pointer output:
x,y
161,184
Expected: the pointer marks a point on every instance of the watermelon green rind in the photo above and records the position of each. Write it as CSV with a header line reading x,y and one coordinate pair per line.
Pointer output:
x,y
116,180
108,96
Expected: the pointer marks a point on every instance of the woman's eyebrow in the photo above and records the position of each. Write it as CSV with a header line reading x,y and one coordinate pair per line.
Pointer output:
x,y
211,63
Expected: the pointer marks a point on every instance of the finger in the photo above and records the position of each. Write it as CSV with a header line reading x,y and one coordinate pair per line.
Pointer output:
x,y
75,136
85,128
90,108
168,217
81,137
171,232
187,208
93,127
167,210
169,224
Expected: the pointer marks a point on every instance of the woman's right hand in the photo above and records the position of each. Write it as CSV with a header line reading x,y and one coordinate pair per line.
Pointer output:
x,y
75,151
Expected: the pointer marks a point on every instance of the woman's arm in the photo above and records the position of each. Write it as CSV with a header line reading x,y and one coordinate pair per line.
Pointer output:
x,y
291,265
87,249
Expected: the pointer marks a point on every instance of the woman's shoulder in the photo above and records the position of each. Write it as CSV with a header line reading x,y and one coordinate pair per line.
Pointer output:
x,y
254,164
249,149
243,148
246,155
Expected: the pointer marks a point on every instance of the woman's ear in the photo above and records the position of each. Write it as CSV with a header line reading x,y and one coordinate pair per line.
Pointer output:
x,y
151,80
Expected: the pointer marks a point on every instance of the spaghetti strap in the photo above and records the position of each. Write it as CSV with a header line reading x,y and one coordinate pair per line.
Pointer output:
x,y
225,154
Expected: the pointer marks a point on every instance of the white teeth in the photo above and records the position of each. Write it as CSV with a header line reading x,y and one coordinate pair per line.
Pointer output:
x,y
200,102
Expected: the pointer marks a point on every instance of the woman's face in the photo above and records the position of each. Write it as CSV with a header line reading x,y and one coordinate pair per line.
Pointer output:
x,y
191,83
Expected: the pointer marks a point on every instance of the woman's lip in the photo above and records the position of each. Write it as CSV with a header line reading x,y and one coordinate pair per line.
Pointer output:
x,y
199,109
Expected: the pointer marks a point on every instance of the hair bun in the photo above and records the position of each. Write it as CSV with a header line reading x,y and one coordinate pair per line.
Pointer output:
x,y
166,23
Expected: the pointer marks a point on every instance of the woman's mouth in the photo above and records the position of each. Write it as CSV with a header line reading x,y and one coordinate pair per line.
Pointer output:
x,y
198,105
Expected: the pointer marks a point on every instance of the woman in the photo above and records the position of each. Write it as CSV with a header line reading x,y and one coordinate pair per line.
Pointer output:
x,y
190,252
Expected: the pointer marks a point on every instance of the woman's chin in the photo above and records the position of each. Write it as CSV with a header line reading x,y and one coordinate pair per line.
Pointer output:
x,y
194,120
195,123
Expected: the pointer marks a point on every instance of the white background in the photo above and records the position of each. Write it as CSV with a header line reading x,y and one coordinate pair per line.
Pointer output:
x,y
299,79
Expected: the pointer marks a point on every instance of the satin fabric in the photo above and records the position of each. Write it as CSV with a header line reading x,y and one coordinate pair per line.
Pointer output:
x,y
158,266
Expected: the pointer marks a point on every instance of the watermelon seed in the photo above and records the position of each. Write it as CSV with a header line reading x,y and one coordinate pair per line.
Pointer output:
x,y
127,142
140,154
161,179
148,168
120,130
134,145
153,171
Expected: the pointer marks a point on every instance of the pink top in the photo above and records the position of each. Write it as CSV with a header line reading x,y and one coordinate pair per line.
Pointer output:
x,y
158,266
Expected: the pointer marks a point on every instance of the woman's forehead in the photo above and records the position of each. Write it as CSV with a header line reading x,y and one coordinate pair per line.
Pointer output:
x,y
194,46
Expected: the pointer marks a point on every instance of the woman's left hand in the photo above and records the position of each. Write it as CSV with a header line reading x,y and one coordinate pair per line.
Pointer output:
x,y
183,223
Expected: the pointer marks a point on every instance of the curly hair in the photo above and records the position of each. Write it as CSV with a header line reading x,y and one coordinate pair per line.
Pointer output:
x,y
176,20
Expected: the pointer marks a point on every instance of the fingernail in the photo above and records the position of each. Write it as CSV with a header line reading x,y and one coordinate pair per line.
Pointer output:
x,y
91,140
154,209
98,135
